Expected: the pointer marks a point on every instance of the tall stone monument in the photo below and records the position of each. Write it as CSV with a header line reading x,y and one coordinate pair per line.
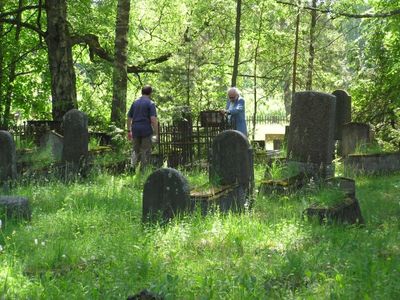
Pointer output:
x,y
311,134
76,138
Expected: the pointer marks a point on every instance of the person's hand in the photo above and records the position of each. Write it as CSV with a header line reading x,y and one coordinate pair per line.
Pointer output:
x,y
223,111
130,135
154,139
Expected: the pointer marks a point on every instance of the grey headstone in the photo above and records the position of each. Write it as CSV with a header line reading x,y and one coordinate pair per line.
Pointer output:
x,y
76,137
8,167
54,143
15,207
343,111
347,185
231,159
354,135
312,128
166,193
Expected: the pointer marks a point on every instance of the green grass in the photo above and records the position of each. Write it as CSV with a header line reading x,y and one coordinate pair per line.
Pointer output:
x,y
86,241
327,197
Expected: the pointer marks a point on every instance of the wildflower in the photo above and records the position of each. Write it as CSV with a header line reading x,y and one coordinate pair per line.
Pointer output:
x,y
42,243
36,241
1,248
1,223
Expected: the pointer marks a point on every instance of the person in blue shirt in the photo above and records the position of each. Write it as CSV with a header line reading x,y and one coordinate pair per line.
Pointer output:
x,y
235,110
142,126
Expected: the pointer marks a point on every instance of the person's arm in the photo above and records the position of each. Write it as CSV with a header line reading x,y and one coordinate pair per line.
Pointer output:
x,y
238,109
129,123
154,125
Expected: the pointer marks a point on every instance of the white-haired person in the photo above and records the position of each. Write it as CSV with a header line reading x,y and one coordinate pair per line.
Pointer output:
x,y
235,110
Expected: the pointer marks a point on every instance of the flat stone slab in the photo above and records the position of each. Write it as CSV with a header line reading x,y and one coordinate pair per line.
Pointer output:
x,y
223,198
380,163
285,185
15,207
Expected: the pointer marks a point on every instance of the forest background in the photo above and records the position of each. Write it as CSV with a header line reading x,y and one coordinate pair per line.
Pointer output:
x,y
96,54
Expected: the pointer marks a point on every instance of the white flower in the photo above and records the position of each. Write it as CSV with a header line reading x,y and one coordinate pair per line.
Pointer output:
x,y
1,248
42,243
36,241
1,223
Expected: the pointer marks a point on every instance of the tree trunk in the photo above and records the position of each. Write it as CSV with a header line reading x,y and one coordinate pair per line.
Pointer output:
x,y
312,48
296,46
12,67
237,43
120,76
287,96
63,80
1,68
256,53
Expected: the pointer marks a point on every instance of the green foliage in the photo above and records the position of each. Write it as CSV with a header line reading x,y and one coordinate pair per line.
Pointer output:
x,y
86,241
327,197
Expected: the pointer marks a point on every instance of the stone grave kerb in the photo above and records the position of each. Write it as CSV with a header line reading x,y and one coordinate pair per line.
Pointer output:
x,y
8,164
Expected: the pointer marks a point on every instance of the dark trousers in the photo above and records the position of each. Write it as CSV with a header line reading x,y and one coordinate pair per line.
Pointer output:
x,y
142,149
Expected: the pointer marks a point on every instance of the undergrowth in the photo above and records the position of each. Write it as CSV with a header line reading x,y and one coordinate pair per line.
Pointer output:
x,y
86,241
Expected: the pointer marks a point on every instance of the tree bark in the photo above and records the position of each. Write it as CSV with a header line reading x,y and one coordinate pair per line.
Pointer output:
x,y
296,46
12,67
256,53
1,67
63,79
120,76
311,50
237,43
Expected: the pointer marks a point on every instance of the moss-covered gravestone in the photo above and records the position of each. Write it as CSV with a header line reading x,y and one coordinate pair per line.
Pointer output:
x,y
344,209
354,135
76,139
166,193
311,135
343,111
8,165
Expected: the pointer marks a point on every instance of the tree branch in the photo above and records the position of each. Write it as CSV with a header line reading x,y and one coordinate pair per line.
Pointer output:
x,y
17,11
92,41
23,24
392,13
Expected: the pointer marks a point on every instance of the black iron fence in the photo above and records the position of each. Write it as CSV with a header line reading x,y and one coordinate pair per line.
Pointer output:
x,y
180,143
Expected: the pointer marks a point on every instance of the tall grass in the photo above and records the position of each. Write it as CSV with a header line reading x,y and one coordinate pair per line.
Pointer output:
x,y
86,241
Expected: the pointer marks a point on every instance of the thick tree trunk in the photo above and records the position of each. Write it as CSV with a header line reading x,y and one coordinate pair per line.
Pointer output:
x,y
12,68
120,77
311,48
63,79
237,43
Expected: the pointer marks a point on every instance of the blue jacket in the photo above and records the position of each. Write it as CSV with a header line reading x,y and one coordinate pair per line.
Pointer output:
x,y
237,115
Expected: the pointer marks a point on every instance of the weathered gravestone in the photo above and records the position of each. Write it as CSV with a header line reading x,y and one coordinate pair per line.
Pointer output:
x,y
14,207
8,165
343,111
346,211
53,143
76,139
354,135
311,134
231,159
166,193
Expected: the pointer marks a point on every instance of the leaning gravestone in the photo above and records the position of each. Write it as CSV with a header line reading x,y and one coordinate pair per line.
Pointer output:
x,y
354,135
343,111
53,143
231,159
14,207
311,134
76,139
8,165
166,193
